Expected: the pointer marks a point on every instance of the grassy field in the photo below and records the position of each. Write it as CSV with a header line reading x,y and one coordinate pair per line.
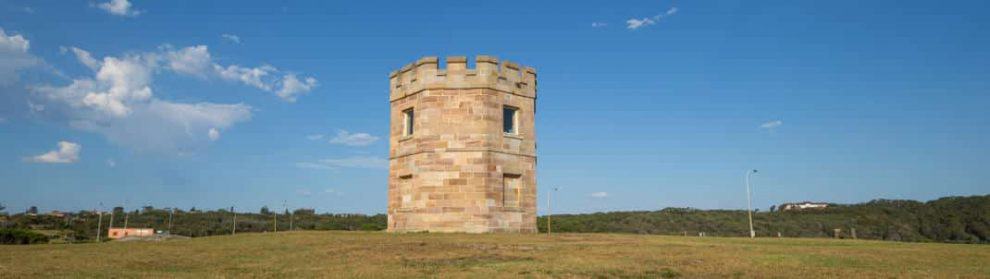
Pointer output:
x,y
377,255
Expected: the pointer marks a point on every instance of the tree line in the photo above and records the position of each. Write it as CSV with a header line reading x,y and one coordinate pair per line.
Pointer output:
x,y
82,226
950,219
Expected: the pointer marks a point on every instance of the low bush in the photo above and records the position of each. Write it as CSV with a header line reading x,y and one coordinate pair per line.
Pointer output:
x,y
21,236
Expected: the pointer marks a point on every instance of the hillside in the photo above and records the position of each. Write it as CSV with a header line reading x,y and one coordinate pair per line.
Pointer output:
x,y
381,255
950,219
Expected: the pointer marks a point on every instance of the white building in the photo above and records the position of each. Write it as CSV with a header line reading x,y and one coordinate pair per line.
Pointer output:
x,y
803,205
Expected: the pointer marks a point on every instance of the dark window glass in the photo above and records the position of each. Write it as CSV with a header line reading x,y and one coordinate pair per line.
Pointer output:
x,y
409,120
509,120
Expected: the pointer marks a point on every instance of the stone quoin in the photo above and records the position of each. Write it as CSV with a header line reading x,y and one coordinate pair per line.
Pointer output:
x,y
462,147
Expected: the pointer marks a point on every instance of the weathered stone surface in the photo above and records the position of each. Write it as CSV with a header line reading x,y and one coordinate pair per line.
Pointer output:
x,y
458,171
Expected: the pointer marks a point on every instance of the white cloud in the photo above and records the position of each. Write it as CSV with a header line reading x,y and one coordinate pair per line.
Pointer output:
x,y
636,23
13,43
67,152
15,57
772,124
86,58
304,192
292,86
330,191
111,163
250,76
35,107
194,60
213,134
231,37
599,195
197,61
368,162
353,139
143,122
119,82
598,24
119,8
315,137
168,127
119,102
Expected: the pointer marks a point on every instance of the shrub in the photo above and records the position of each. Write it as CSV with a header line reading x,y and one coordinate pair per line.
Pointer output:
x,y
21,236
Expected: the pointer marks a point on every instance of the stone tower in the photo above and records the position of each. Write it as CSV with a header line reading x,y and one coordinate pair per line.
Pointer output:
x,y
462,147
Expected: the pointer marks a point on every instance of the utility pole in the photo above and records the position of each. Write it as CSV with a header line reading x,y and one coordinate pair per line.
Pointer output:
x,y
276,220
749,204
111,219
170,212
549,210
99,226
126,214
233,230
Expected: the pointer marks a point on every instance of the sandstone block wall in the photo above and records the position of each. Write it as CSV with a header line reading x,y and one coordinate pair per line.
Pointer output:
x,y
458,171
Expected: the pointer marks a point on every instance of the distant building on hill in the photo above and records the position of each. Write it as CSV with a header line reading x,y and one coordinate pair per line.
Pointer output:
x,y
803,206
116,233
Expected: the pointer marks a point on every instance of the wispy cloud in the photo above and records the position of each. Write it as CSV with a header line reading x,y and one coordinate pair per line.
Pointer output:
x,y
636,23
598,24
331,191
599,195
213,134
304,192
84,57
292,87
353,139
119,8
770,125
67,152
315,136
367,162
231,38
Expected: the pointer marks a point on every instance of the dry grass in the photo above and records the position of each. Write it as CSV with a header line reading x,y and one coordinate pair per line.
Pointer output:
x,y
377,255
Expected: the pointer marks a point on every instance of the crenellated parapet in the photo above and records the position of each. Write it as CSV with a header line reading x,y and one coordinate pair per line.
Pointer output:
x,y
425,74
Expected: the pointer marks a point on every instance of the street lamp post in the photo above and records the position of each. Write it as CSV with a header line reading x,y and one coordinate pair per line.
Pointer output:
x,y
99,227
749,204
549,210
233,230
171,211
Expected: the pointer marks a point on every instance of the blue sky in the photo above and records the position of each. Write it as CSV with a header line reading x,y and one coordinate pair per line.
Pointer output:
x,y
642,104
